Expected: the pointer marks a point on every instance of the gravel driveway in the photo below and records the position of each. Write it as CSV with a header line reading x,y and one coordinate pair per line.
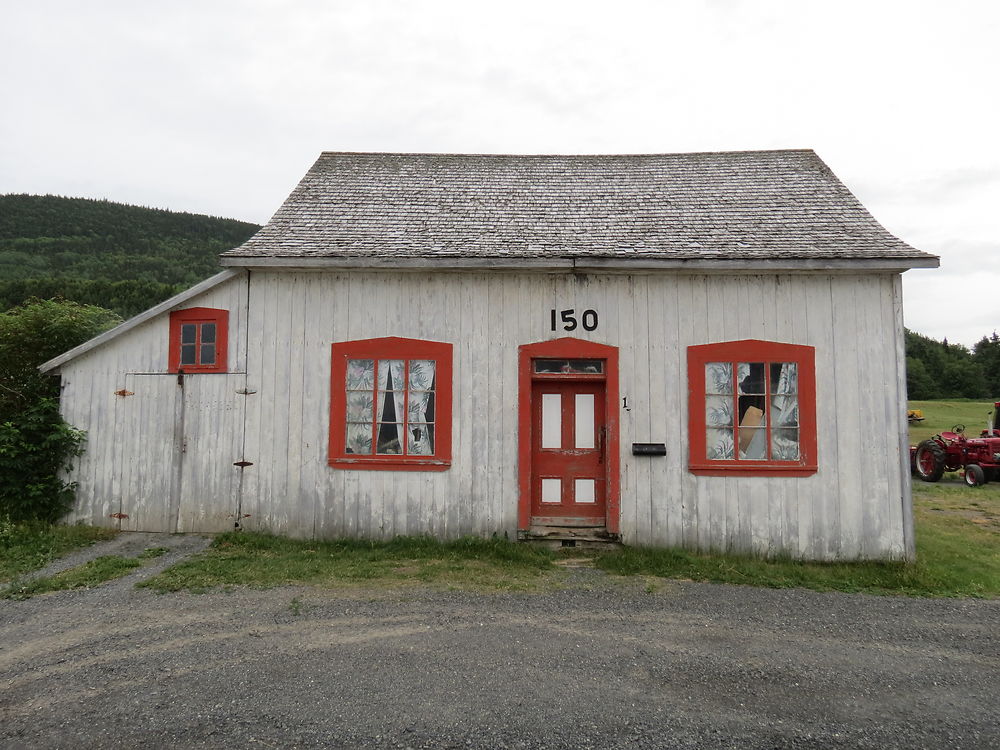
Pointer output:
x,y
600,664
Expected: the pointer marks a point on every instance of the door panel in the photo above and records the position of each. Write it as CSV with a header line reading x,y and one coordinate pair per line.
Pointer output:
x,y
148,451
569,470
177,445
213,442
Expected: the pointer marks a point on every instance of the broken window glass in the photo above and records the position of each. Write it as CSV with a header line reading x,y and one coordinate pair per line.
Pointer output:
x,y
760,421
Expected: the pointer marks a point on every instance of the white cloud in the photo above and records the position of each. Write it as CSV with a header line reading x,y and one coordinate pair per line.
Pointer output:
x,y
219,107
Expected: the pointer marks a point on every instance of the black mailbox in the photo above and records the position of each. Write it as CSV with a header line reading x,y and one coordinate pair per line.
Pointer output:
x,y
649,449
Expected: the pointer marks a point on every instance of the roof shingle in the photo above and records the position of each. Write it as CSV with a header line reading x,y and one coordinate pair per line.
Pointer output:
x,y
752,205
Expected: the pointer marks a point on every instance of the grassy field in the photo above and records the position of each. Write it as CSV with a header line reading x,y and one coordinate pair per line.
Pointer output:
x,y
248,559
943,415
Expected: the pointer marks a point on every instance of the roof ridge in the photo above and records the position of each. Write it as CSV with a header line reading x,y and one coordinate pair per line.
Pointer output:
x,y
573,155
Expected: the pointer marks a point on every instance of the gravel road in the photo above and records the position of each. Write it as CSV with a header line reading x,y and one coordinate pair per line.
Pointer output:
x,y
599,664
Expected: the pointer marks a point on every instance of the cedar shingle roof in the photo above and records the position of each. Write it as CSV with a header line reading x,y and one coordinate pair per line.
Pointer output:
x,y
753,205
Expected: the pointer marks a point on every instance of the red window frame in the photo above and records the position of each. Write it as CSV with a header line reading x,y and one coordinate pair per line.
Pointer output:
x,y
391,347
199,316
752,350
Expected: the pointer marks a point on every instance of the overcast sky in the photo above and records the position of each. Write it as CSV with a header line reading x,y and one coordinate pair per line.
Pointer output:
x,y
220,107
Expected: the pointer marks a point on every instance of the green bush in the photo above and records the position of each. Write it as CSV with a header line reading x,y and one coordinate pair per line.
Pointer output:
x,y
36,445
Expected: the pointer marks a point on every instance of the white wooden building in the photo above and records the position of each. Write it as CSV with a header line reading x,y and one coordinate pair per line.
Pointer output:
x,y
696,350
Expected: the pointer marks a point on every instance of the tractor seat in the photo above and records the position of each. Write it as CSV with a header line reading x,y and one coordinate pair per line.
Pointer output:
x,y
950,436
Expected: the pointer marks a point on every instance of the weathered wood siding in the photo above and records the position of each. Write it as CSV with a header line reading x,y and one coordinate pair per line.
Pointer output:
x,y
132,461
853,507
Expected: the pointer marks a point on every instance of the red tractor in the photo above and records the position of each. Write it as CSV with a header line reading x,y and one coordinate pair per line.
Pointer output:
x,y
951,451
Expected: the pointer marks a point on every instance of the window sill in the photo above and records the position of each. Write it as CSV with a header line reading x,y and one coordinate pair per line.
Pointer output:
x,y
743,470
390,464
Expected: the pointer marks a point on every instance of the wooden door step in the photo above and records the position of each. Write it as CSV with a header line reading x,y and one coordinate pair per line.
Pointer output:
x,y
568,536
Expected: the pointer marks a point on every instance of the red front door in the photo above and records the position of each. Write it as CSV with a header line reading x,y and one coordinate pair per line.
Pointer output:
x,y
568,451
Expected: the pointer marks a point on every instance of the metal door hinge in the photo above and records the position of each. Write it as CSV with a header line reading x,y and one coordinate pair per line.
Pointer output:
x,y
243,464
245,392
124,393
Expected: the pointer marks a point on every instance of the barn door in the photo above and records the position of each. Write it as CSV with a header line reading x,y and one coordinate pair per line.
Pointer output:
x,y
212,444
147,452
178,442
569,444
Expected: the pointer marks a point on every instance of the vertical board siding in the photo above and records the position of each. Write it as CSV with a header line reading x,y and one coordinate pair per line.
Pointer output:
x,y
282,335
119,429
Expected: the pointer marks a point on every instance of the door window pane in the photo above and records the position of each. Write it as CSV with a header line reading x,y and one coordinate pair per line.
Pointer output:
x,y
569,366
551,490
585,435
208,333
207,354
551,420
585,490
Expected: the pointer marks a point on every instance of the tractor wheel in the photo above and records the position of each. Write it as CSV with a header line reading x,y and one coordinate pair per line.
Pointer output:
x,y
929,461
974,475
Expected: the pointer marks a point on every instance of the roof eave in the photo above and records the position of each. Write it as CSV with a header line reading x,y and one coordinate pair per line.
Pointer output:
x,y
128,325
596,265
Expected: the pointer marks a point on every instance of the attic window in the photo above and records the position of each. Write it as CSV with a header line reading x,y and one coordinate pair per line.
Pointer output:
x,y
752,408
198,340
391,405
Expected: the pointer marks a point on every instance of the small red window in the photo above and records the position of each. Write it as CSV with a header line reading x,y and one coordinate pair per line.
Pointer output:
x,y
391,405
752,409
198,340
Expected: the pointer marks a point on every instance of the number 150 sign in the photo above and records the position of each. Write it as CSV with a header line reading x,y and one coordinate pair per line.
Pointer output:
x,y
588,319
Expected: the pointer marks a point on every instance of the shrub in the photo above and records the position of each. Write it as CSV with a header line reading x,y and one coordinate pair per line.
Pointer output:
x,y
36,445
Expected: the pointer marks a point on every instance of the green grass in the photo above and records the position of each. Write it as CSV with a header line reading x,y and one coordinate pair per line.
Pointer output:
x,y
943,415
29,546
958,554
97,571
262,560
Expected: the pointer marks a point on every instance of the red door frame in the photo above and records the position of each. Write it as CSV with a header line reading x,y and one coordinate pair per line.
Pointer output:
x,y
567,348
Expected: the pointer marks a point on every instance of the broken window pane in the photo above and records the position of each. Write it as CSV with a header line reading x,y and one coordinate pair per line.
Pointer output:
x,y
753,443
750,377
421,439
359,438
784,378
719,377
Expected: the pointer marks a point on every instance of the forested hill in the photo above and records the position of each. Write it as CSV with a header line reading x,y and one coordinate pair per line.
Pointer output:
x,y
123,257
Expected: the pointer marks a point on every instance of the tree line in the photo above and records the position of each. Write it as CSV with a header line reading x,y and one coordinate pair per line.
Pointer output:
x,y
125,258
939,370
